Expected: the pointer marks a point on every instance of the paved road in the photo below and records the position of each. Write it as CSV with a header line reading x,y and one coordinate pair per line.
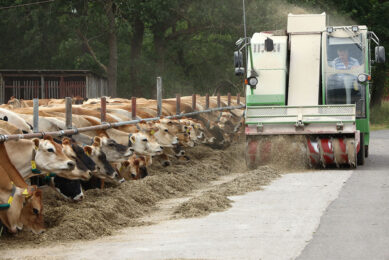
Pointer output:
x,y
356,225
327,214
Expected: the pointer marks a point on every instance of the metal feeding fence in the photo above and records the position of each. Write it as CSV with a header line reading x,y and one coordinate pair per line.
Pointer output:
x,y
106,125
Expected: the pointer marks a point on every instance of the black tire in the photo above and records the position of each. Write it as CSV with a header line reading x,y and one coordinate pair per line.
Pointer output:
x,y
361,153
366,151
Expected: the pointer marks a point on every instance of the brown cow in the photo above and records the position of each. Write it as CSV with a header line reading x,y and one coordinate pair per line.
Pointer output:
x,y
12,185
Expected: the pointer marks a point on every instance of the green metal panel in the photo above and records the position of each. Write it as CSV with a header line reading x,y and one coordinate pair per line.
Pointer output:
x,y
252,100
364,127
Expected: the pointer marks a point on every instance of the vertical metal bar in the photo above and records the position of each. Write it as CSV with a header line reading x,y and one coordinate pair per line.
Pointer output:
x,y
159,96
133,108
207,101
229,99
68,101
103,109
218,99
178,104
35,115
238,99
194,102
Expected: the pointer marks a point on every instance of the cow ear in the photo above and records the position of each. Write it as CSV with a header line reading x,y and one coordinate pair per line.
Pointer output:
x,y
88,150
125,163
132,138
66,141
36,142
97,140
136,162
38,193
48,137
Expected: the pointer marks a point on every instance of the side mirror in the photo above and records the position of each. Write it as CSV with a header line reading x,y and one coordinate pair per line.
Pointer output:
x,y
380,54
238,63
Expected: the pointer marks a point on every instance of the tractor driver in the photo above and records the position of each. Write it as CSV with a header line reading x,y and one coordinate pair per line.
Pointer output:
x,y
343,61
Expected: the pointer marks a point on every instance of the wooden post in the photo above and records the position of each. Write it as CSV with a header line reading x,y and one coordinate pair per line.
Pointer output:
x,y
207,101
194,102
238,99
159,96
103,109
133,108
218,99
229,99
68,102
178,104
35,115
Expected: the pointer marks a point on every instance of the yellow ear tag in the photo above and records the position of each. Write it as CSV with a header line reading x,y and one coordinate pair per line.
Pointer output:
x,y
187,130
152,132
87,153
11,198
33,165
25,192
121,168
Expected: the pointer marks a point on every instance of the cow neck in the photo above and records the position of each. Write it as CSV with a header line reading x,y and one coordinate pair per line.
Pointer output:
x,y
33,163
13,174
10,199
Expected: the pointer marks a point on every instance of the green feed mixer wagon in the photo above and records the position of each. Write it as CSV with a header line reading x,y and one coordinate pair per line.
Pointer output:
x,y
310,83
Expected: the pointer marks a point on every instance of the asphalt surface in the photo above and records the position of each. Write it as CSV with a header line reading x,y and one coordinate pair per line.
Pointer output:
x,y
326,214
356,225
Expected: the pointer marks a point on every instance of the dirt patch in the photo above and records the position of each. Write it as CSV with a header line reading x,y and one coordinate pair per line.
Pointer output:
x,y
217,199
104,211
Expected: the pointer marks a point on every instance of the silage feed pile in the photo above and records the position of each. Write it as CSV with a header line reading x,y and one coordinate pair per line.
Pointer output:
x,y
104,211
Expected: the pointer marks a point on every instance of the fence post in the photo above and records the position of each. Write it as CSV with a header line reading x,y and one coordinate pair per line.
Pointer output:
x,y
229,99
194,102
159,96
133,108
218,99
68,101
178,104
103,109
207,101
238,99
36,115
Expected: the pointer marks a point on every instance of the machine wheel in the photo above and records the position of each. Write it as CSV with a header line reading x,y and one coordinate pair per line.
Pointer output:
x,y
361,154
366,151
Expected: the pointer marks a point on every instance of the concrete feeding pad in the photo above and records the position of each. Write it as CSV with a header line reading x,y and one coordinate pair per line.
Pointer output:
x,y
275,223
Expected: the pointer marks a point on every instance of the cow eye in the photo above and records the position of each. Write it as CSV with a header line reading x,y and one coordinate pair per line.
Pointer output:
x,y
111,144
144,140
36,211
50,150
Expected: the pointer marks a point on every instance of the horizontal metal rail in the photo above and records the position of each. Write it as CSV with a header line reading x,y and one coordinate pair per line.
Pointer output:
x,y
107,125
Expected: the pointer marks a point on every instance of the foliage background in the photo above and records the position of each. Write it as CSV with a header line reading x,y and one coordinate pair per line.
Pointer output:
x,y
189,43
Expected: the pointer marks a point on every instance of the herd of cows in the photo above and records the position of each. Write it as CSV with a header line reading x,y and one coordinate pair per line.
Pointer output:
x,y
87,160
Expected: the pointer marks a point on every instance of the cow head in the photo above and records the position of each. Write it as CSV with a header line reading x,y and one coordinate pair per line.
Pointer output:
x,y
81,171
134,168
141,143
49,156
32,213
162,136
115,152
104,168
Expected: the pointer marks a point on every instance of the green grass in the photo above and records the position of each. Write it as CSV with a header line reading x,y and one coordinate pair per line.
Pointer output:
x,y
379,117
